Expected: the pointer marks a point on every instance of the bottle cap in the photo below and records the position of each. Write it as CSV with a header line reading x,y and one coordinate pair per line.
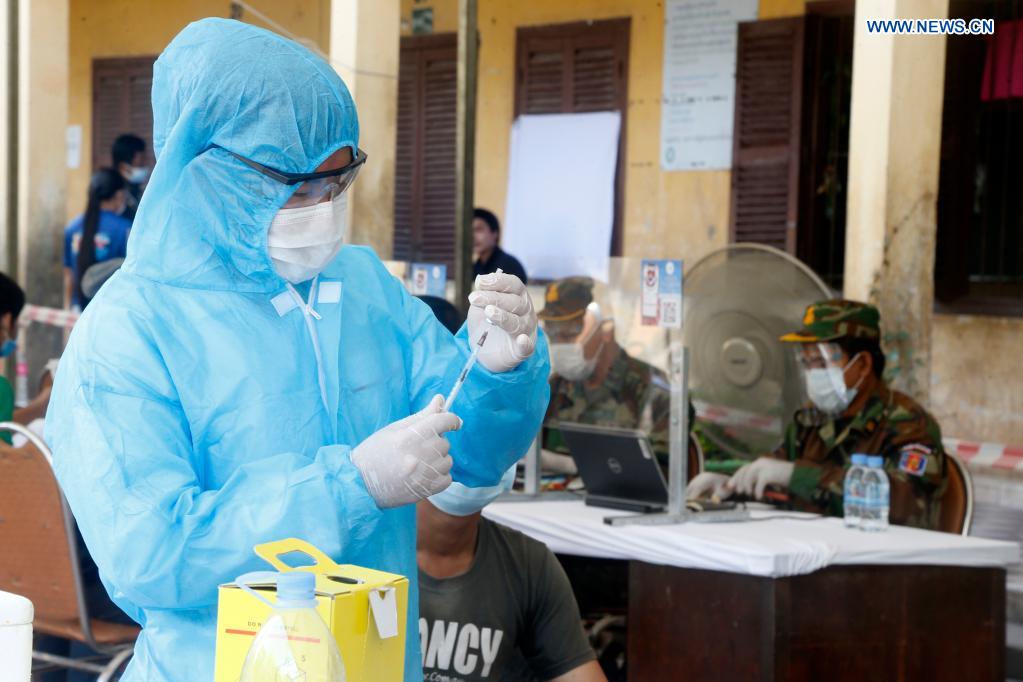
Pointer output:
x,y
876,461
859,459
296,586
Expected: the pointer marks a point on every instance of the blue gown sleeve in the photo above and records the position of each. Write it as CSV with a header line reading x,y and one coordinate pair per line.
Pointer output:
x,y
125,459
501,412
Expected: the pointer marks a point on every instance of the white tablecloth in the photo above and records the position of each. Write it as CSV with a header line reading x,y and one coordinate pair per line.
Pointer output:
x,y
772,547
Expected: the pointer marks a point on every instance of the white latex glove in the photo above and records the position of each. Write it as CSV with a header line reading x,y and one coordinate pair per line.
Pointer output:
x,y
502,299
707,485
751,479
408,460
557,462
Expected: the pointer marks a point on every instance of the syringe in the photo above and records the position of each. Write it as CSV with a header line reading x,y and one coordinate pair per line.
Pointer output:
x,y
465,370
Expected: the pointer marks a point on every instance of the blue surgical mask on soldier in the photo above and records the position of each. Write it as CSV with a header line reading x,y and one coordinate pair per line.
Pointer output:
x,y
8,347
825,386
303,241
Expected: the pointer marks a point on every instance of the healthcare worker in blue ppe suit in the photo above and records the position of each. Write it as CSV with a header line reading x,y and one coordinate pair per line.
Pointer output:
x,y
245,377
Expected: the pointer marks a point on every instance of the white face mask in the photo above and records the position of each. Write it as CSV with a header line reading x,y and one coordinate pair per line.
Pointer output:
x,y
303,241
568,360
137,174
825,386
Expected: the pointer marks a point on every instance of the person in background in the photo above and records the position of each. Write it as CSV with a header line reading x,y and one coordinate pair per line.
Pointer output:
x,y
98,235
494,603
851,410
533,631
595,381
12,300
489,257
128,155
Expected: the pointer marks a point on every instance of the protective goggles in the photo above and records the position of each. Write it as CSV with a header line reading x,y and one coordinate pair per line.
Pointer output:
x,y
572,331
818,355
313,188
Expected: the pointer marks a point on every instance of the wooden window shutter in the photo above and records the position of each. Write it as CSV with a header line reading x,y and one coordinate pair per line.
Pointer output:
x,y
424,198
576,68
121,103
765,143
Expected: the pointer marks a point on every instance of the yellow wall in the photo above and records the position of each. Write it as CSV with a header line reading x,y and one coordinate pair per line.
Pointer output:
x,y
681,214
976,375
686,213
126,28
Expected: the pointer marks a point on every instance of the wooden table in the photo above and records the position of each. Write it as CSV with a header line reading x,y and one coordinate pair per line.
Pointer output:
x,y
856,623
789,601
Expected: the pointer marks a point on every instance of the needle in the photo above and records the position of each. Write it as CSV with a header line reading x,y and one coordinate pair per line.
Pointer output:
x,y
465,371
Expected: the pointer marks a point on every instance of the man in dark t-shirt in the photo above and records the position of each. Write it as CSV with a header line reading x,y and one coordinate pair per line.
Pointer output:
x,y
489,257
493,603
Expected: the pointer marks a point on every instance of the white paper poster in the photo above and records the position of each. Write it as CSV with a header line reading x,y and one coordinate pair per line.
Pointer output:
x,y
73,143
561,193
698,102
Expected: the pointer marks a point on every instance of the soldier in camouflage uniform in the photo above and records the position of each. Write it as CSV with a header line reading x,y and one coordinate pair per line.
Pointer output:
x,y
595,381
839,343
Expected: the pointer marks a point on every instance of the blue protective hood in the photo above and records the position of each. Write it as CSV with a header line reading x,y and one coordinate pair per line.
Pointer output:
x,y
224,85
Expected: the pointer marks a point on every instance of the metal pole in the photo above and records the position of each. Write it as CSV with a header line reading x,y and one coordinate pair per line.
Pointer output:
x,y
9,155
468,57
678,429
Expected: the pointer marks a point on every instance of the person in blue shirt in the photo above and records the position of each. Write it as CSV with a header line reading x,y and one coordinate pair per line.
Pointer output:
x,y
98,235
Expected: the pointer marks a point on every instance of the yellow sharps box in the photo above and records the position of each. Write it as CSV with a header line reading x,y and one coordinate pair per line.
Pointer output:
x,y
366,610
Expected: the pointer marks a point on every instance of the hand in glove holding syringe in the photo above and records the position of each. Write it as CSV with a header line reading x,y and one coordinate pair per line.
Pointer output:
x,y
410,460
501,300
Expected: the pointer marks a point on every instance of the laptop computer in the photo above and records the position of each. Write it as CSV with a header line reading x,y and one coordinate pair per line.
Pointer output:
x,y
618,467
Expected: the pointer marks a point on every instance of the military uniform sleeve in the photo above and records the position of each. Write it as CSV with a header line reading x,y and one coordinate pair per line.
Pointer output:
x,y
917,468
816,485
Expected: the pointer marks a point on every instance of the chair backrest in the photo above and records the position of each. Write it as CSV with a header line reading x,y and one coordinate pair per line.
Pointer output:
x,y
694,465
957,503
36,532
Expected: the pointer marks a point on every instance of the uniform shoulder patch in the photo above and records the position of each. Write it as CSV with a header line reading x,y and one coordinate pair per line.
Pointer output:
x,y
913,458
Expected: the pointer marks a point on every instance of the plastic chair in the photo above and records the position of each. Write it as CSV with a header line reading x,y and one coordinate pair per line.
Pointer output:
x,y
957,503
39,560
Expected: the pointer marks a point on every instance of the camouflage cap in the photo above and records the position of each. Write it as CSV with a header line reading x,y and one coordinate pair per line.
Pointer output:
x,y
837,319
567,299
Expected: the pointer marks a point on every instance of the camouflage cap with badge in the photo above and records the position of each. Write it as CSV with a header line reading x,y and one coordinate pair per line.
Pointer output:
x,y
837,319
565,305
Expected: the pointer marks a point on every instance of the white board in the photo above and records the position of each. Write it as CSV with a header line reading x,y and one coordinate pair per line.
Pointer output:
x,y
698,104
561,193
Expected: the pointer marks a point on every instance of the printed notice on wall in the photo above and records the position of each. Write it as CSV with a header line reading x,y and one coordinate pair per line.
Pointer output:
x,y
429,279
698,100
661,297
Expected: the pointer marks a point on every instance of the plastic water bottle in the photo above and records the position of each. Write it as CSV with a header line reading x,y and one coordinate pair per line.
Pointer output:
x,y
852,497
876,496
16,614
294,643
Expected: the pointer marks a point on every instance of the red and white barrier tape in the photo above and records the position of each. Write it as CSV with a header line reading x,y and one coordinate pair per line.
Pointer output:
x,y
727,416
986,455
50,316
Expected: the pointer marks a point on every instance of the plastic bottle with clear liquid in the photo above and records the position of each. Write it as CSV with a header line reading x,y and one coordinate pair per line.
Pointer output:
x,y
876,496
294,644
852,497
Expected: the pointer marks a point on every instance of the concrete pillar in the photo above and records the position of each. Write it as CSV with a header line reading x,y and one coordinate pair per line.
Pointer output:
x,y
894,151
364,41
8,137
42,161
